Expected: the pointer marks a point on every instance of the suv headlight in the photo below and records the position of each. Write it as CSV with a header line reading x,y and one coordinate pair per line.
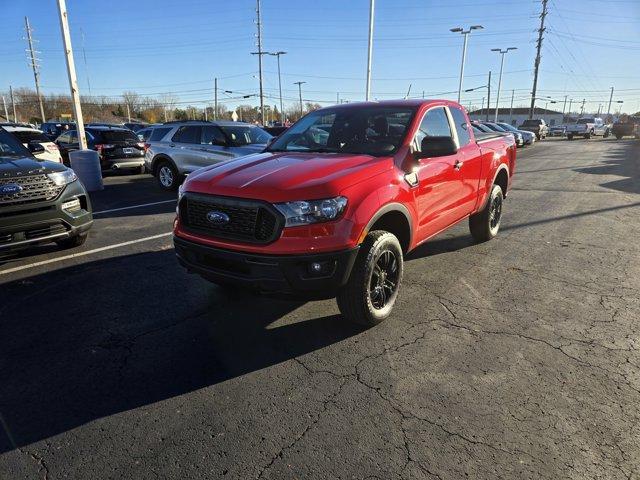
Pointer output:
x,y
305,212
63,178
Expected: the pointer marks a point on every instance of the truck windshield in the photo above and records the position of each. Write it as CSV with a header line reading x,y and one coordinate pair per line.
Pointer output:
x,y
375,130
10,146
531,123
584,121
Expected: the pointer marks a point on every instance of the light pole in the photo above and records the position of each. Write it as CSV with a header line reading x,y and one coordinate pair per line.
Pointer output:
x,y
464,51
478,88
502,52
370,49
300,93
277,54
620,102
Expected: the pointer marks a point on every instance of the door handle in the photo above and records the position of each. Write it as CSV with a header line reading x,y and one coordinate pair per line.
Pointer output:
x,y
457,165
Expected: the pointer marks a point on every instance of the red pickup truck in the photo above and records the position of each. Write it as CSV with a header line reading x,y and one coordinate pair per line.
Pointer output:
x,y
334,203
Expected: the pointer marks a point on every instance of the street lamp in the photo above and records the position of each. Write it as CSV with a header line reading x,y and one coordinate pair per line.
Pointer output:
x,y
620,102
277,54
502,52
478,88
464,50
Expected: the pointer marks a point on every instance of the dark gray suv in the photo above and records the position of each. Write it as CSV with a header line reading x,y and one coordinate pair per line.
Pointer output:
x,y
176,149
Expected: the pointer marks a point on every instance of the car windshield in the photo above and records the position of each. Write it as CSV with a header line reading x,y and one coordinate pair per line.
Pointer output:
x,y
241,135
372,130
10,146
531,122
583,121
506,126
119,136
26,136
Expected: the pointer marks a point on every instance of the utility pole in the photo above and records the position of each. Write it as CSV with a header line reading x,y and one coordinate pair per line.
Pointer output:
x,y
13,104
300,93
537,62
564,106
34,65
215,98
570,102
488,97
582,107
464,51
4,104
511,108
277,54
408,92
71,71
337,98
370,49
502,53
260,53
610,99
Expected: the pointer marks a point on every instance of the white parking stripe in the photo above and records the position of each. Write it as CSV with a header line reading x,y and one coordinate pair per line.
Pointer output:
x,y
134,206
82,254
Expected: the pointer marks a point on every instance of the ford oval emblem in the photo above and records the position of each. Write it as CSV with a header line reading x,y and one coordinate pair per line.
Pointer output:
x,y
10,189
217,218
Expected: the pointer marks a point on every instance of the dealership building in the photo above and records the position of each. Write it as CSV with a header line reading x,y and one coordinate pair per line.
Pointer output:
x,y
518,115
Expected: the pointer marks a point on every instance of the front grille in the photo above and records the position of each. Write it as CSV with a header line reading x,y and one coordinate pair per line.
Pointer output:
x,y
35,188
249,220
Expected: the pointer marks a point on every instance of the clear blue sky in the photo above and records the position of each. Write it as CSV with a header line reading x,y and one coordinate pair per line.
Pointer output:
x,y
154,46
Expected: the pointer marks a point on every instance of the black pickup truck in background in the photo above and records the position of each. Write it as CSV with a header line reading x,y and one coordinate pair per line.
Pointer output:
x,y
40,201
625,127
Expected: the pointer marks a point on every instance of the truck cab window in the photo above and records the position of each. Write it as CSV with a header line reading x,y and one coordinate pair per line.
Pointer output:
x,y
435,123
462,127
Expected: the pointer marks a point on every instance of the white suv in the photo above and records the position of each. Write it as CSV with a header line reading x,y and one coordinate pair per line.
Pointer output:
x,y
175,149
28,135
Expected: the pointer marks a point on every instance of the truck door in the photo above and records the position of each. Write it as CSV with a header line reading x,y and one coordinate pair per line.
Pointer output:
x,y
440,194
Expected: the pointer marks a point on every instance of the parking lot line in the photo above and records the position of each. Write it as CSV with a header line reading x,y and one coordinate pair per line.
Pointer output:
x,y
134,206
82,254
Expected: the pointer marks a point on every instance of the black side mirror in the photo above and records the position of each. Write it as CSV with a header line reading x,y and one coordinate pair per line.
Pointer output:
x,y
35,147
437,147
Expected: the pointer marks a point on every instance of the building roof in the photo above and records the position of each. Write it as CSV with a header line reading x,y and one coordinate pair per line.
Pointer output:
x,y
516,111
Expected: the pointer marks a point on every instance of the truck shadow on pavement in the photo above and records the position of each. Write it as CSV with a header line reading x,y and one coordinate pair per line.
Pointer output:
x,y
621,162
92,340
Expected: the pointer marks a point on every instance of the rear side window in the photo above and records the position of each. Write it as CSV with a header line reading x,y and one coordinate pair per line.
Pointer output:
x,y
158,134
462,127
30,136
435,123
187,135
64,138
144,134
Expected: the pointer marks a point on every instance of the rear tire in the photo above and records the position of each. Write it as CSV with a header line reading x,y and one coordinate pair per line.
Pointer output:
x,y
485,224
618,137
73,242
569,137
167,176
372,289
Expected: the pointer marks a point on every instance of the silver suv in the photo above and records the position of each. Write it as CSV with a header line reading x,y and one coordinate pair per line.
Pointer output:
x,y
175,149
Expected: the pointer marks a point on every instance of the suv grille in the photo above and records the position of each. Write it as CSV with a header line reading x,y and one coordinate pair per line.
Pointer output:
x,y
250,221
35,188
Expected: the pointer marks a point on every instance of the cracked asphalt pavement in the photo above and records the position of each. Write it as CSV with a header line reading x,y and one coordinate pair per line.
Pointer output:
x,y
516,358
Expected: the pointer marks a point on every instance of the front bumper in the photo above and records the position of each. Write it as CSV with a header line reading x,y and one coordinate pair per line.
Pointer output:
x,y
288,275
43,222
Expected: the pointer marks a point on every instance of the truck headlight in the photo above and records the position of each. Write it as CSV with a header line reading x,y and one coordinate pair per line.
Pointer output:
x,y
63,178
305,212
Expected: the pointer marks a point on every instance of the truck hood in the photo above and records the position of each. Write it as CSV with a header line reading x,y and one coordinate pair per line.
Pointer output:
x,y
18,166
286,176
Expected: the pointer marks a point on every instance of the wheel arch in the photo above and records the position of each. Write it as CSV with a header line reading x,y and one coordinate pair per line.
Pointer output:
x,y
160,158
393,218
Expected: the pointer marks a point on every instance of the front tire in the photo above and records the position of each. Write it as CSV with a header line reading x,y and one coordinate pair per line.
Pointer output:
x,y
372,289
72,242
485,224
569,137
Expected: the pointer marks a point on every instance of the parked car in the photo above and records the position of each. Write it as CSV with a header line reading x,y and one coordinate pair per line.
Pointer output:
x,y
119,148
40,201
54,129
528,138
33,135
189,145
558,131
517,136
479,126
587,127
537,126
625,127
317,217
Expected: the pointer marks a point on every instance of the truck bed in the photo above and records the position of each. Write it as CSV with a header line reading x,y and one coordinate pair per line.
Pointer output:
x,y
485,137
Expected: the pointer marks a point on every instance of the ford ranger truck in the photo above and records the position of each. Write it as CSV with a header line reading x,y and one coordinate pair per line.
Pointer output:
x,y
40,201
333,205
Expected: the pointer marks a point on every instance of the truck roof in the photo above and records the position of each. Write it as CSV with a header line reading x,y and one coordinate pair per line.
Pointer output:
x,y
413,102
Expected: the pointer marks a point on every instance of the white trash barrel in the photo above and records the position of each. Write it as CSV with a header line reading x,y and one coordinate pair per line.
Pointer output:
x,y
86,164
